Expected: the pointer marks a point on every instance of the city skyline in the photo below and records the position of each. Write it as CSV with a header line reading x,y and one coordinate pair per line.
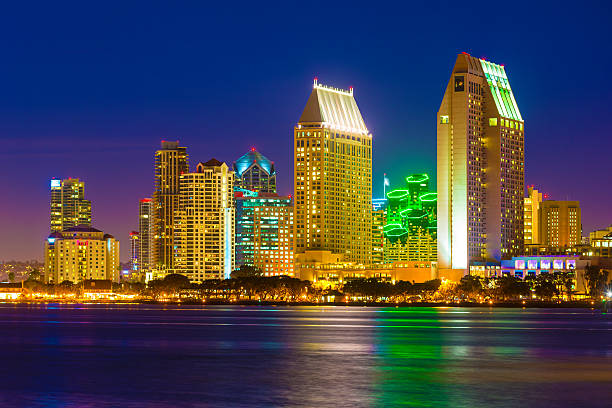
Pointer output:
x,y
112,136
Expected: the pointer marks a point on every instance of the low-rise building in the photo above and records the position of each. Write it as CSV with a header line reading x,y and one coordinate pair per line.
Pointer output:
x,y
328,270
80,253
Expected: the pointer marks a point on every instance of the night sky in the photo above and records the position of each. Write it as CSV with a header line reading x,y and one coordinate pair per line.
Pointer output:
x,y
90,90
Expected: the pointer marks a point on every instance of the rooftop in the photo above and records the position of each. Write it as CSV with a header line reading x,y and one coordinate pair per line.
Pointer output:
x,y
335,108
82,228
252,158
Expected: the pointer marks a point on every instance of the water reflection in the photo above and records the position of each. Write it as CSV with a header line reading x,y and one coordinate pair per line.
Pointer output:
x,y
143,355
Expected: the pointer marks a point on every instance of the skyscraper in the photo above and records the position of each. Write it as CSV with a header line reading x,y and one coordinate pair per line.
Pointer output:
x,y
204,224
171,161
145,234
69,208
480,166
333,176
264,233
255,172
134,250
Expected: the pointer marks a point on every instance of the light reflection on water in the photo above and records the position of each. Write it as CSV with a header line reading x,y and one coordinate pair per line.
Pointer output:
x,y
144,355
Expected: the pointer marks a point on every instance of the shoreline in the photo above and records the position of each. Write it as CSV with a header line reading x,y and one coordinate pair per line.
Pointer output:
x,y
190,302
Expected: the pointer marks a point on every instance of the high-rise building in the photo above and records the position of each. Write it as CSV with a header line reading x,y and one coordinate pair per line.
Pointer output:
x,y
80,253
255,172
204,224
171,161
69,207
410,227
134,251
480,166
532,216
560,223
379,219
145,234
333,176
264,233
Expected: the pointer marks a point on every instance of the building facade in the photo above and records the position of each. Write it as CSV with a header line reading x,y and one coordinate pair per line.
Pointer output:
x,y
333,176
600,243
410,228
204,224
81,253
69,207
560,223
264,233
532,216
480,159
134,251
171,161
254,172
145,234
379,219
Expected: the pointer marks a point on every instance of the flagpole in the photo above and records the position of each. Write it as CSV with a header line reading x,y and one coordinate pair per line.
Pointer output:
x,y
384,185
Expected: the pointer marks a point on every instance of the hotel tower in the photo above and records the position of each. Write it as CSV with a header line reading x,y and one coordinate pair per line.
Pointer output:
x,y
481,152
171,161
333,176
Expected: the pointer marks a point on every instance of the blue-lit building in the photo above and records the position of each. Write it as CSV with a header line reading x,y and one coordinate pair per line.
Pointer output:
x,y
255,172
264,232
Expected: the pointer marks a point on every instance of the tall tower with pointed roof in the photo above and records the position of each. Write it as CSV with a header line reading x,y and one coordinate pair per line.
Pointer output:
x,y
333,176
481,159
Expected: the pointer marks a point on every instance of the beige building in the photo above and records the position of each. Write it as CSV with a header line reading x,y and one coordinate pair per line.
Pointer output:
x,y
560,223
601,243
328,270
333,176
171,161
69,207
532,216
480,156
80,253
204,223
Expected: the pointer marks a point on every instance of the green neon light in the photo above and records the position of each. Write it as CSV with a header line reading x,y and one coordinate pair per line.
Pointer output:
x,y
428,197
422,214
417,178
405,211
397,194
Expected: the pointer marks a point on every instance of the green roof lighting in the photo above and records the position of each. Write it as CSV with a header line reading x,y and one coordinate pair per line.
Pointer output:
x,y
417,178
428,197
397,194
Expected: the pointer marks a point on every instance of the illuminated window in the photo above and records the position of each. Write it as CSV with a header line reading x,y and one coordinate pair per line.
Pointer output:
x,y
492,121
444,119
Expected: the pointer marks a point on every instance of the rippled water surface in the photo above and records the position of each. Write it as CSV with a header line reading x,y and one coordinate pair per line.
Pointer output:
x,y
219,356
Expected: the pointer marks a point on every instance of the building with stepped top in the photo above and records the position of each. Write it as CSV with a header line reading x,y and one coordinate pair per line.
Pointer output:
x,y
481,163
333,176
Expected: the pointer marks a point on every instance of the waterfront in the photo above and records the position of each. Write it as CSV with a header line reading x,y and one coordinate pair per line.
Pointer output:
x,y
182,356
